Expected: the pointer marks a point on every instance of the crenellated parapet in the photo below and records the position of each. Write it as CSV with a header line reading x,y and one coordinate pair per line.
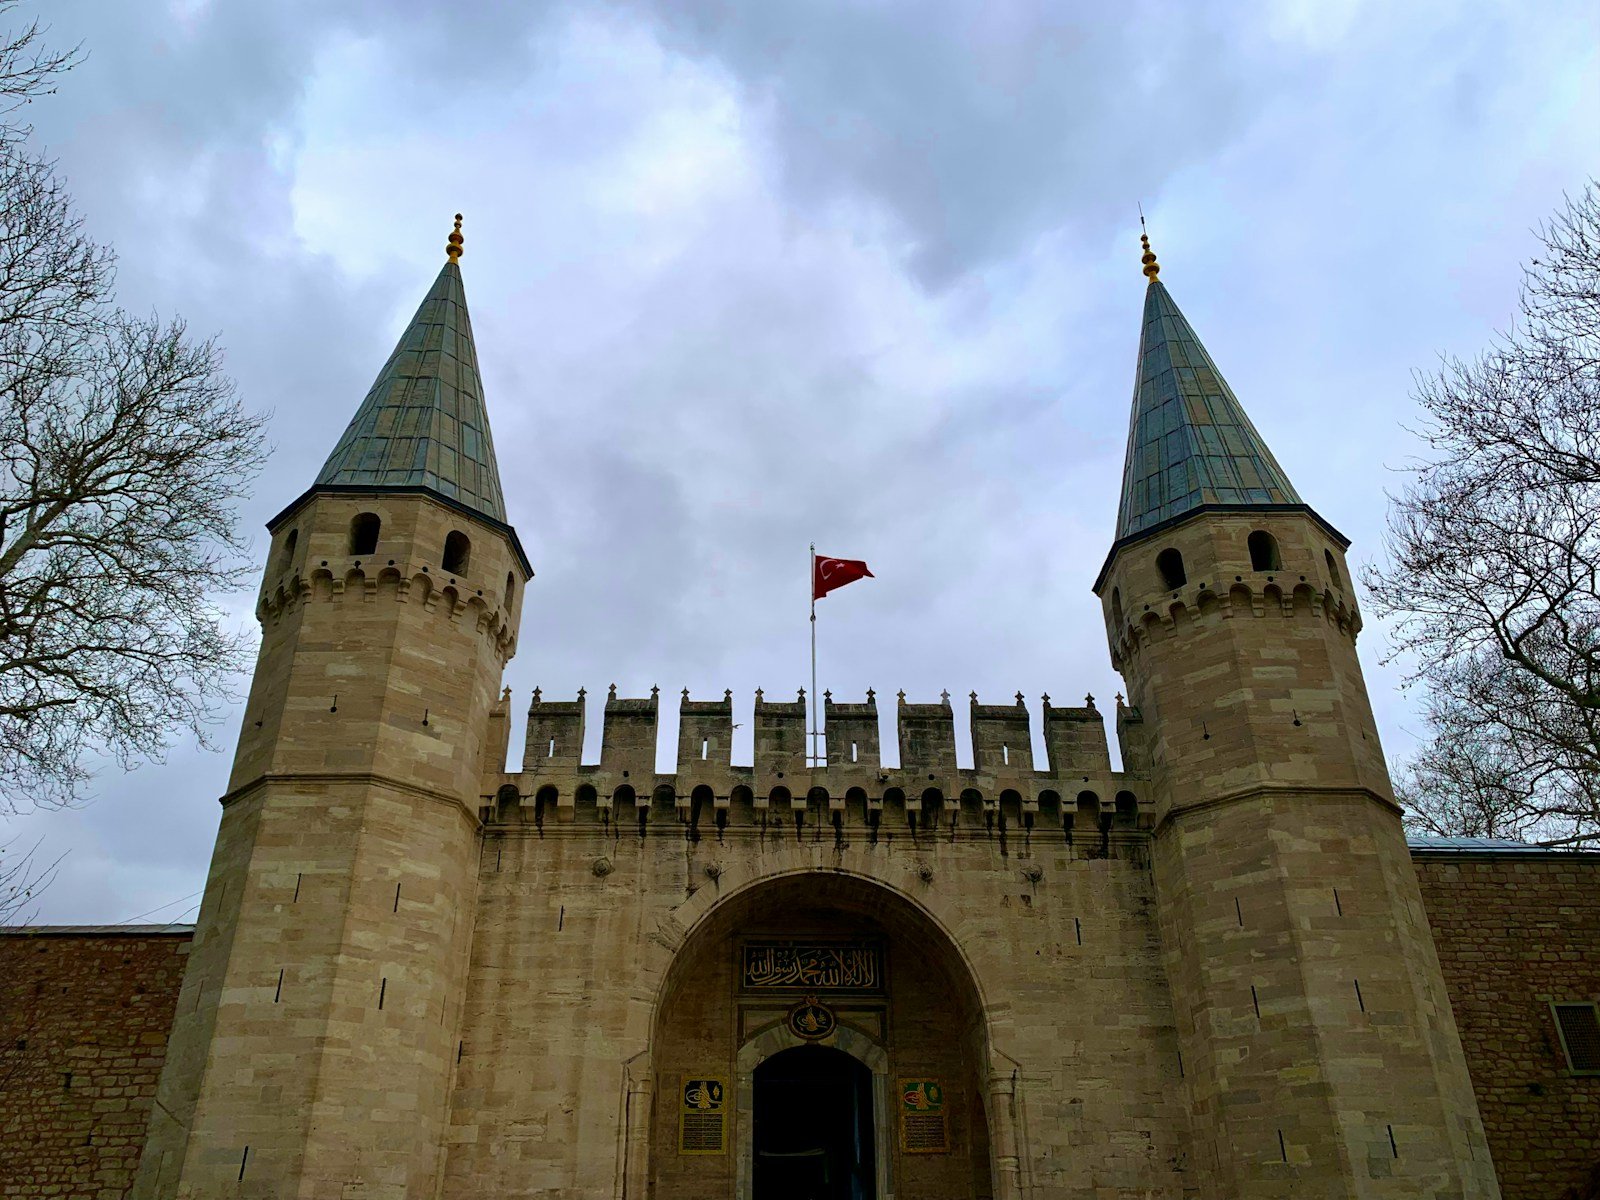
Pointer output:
x,y
468,607
846,784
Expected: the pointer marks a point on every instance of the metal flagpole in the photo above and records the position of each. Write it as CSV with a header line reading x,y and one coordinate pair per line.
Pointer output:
x,y
811,585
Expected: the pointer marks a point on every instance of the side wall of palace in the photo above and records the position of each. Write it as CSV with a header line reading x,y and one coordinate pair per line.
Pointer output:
x,y
1517,932
84,1018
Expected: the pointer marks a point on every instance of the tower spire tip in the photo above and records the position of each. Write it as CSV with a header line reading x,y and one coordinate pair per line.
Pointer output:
x,y
452,248
1151,267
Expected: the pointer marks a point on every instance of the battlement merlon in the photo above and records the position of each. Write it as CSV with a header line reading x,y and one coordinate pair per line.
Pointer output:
x,y
850,764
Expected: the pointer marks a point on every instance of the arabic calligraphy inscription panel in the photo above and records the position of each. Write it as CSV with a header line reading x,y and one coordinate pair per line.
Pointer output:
x,y
768,966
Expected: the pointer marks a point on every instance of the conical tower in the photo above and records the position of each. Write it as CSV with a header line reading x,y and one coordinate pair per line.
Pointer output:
x,y
317,1023
1319,1049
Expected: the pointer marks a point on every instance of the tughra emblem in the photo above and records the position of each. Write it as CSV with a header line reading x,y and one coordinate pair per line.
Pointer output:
x,y
812,1019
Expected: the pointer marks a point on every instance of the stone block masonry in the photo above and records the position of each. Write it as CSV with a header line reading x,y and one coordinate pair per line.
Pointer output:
x,y
1515,932
84,1018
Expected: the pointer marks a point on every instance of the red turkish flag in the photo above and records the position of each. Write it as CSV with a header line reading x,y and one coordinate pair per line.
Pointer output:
x,y
830,573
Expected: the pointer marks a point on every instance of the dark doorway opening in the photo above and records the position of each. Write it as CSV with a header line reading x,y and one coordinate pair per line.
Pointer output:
x,y
813,1127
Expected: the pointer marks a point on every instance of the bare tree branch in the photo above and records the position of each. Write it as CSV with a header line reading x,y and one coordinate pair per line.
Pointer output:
x,y
123,450
1494,561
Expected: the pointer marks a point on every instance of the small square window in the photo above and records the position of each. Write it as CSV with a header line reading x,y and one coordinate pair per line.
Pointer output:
x,y
1578,1024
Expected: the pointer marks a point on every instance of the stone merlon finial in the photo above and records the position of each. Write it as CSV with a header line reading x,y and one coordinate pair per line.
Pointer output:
x,y
537,694
452,248
871,695
1020,703
1046,698
974,695
944,697
1088,701
582,692
611,694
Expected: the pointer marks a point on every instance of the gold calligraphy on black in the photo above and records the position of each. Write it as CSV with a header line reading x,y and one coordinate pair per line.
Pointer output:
x,y
813,967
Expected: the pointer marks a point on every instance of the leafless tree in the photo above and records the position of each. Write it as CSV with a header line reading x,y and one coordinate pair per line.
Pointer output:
x,y
122,452
22,877
1494,561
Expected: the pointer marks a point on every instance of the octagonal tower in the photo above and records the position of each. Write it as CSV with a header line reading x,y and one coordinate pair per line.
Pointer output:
x,y
1319,1049
316,1027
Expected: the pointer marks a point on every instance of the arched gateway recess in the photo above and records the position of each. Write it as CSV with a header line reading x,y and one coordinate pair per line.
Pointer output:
x,y
821,1032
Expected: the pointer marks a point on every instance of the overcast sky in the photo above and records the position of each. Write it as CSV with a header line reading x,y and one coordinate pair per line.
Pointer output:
x,y
745,276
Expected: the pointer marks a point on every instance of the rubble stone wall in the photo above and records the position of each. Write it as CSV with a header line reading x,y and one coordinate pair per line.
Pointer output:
x,y
1516,932
84,1018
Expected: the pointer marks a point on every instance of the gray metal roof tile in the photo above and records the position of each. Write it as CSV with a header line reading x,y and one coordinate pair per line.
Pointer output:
x,y
1189,440
423,422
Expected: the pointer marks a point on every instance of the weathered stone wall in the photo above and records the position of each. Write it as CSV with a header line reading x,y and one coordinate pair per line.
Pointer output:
x,y
84,1018
582,925
1515,932
565,960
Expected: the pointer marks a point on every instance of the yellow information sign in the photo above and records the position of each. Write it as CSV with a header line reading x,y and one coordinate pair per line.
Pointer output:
x,y
924,1128
702,1115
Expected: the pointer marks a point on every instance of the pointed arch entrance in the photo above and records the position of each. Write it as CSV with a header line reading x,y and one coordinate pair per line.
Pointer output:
x,y
845,1031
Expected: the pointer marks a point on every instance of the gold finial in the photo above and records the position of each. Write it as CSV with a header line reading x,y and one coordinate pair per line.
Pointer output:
x,y
1151,267
453,250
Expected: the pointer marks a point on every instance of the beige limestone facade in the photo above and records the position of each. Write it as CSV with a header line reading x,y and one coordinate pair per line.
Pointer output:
x,y
417,976
1321,1052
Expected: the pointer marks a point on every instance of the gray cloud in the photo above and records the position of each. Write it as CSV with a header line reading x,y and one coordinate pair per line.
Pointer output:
x,y
745,276
981,126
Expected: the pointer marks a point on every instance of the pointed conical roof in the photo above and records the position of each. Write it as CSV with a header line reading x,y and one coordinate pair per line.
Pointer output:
x,y
1189,441
423,423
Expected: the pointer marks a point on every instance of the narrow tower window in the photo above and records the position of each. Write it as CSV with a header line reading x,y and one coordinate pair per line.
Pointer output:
x,y
1264,552
289,543
511,587
364,533
1117,618
1333,568
457,553
1170,563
